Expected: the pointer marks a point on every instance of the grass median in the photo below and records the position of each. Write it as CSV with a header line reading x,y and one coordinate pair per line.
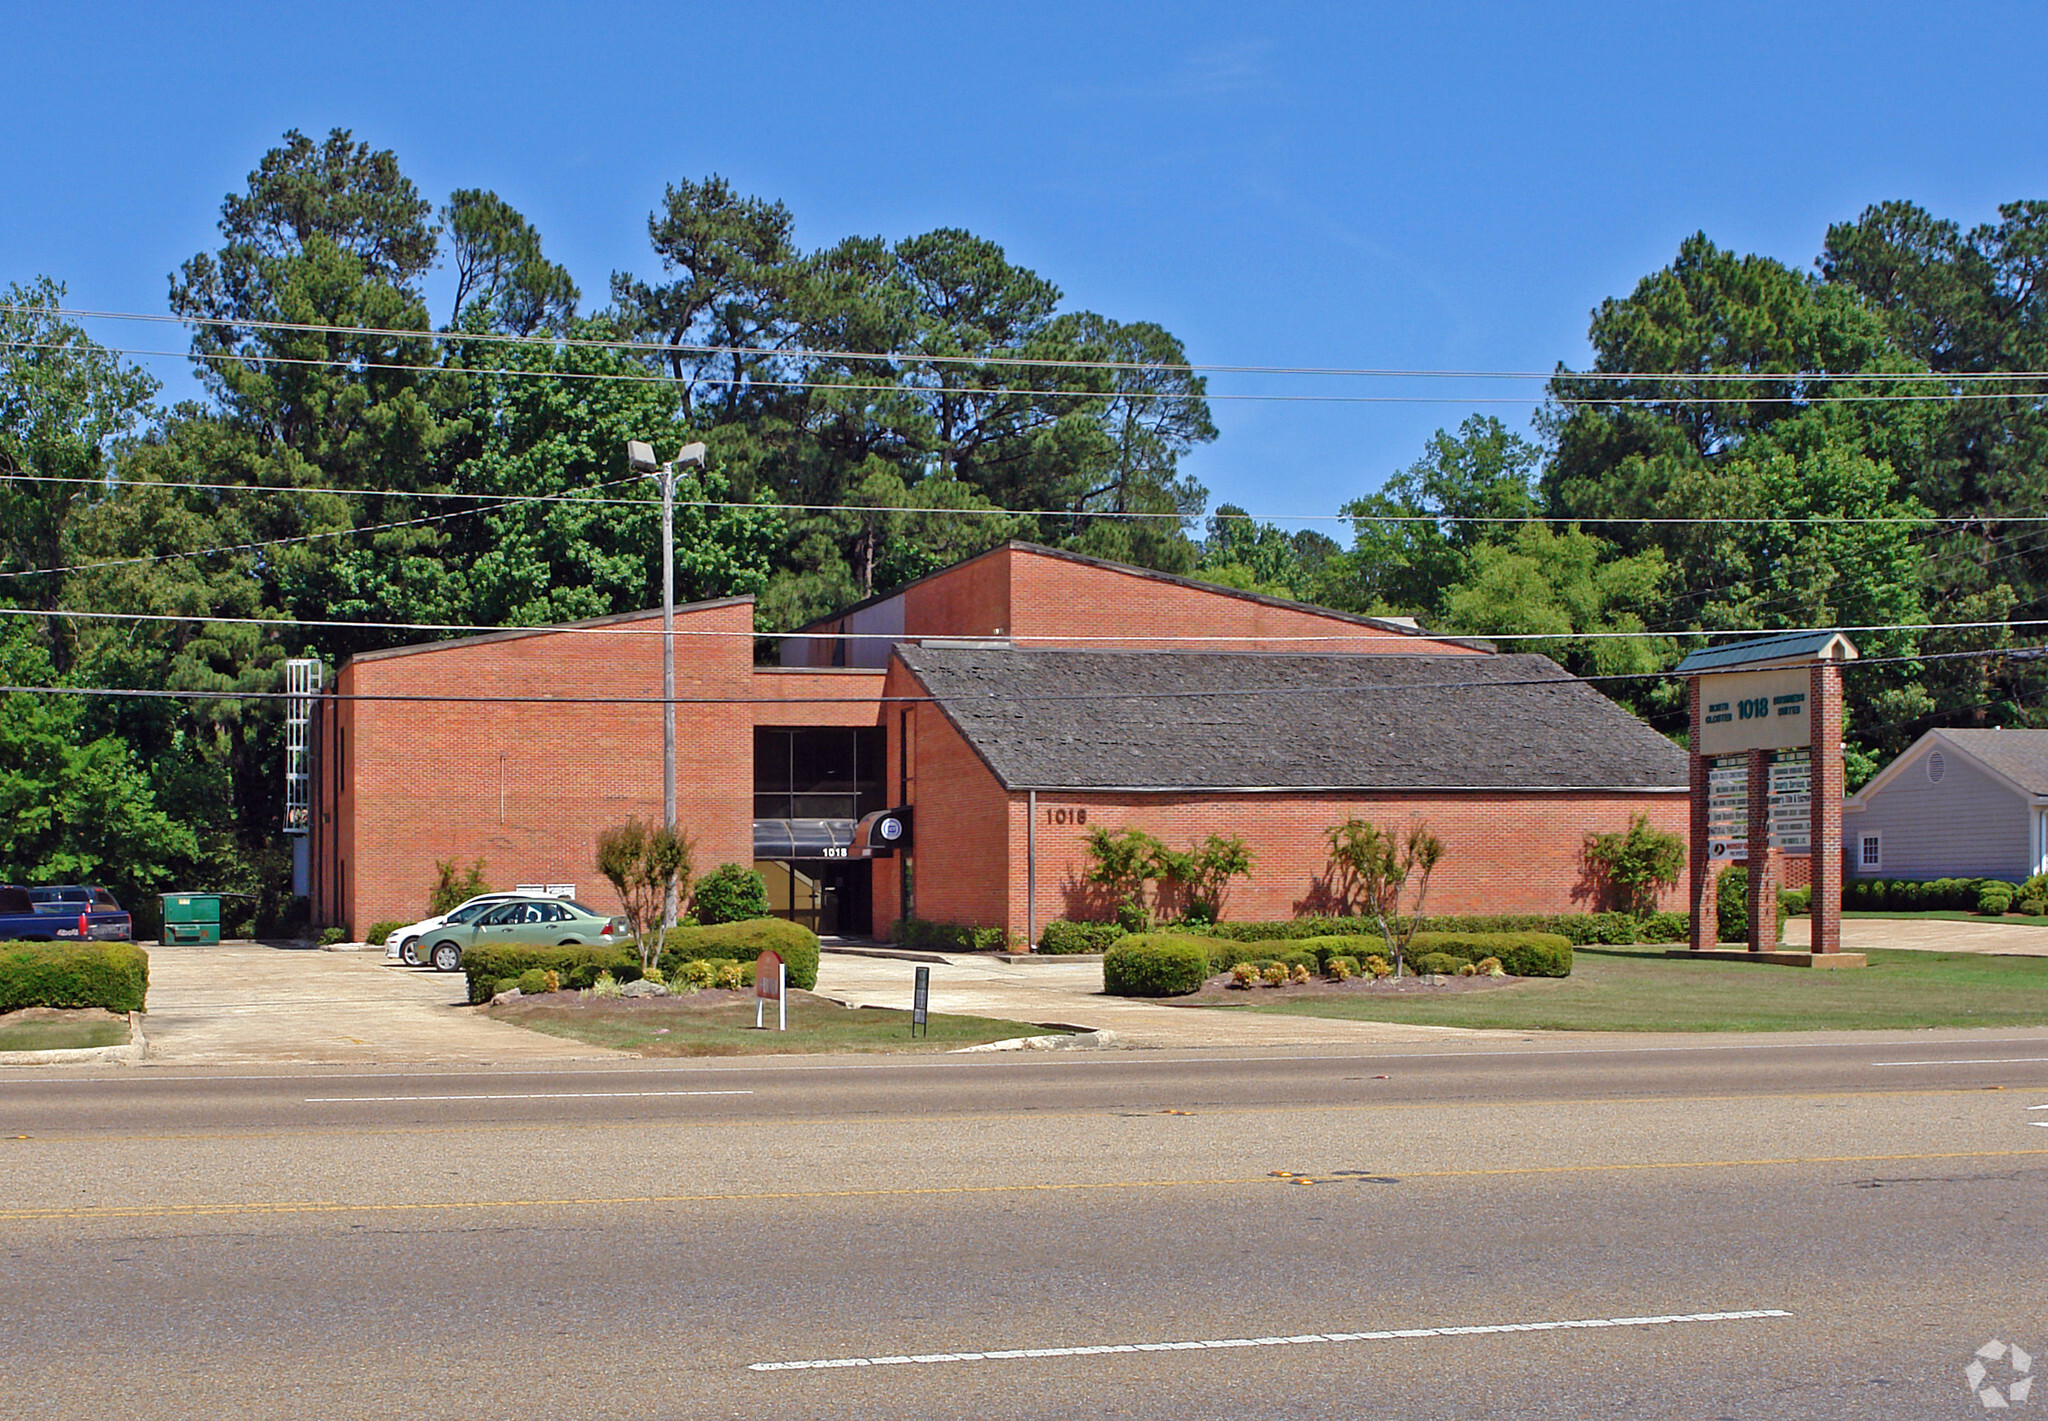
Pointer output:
x,y
719,1023
1640,989
49,1029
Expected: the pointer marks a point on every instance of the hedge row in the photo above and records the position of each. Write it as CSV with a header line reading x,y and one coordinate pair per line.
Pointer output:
x,y
1969,895
917,934
745,941
1155,965
1062,936
1521,954
488,966
113,975
1579,929
578,967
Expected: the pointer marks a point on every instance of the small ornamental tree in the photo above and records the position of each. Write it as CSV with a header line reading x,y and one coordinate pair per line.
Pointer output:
x,y
1637,864
645,864
1374,867
730,893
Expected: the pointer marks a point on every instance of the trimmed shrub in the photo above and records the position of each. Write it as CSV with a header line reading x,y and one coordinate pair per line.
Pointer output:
x,y
1731,903
1520,954
922,936
1665,927
730,893
1155,965
2031,897
1796,901
330,936
574,967
1993,899
532,982
74,975
743,942
1441,963
1062,936
380,931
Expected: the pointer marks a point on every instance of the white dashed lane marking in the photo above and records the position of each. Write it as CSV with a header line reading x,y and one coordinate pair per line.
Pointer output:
x,y
536,1095
1306,1339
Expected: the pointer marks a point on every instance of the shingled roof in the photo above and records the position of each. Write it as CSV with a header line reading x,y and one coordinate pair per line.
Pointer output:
x,y
1105,720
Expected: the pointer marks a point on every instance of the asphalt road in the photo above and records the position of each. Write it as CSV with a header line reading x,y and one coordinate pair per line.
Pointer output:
x,y
1787,1227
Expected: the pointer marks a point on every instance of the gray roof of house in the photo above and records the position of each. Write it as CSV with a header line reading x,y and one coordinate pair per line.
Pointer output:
x,y
1079,720
2020,755
1773,648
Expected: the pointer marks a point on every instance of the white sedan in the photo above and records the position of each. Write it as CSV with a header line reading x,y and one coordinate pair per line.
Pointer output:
x,y
403,945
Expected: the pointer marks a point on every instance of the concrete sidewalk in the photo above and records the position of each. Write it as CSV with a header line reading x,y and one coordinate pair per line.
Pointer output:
x,y
244,1004
1929,935
1067,993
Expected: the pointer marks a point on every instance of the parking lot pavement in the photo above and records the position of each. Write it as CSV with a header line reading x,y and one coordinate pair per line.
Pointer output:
x,y
1070,994
1929,935
243,1004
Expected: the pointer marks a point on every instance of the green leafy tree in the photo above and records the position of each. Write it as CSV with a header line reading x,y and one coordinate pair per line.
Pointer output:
x,y
74,808
1201,875
1543,583
455,885
503,282
1122,863
730,893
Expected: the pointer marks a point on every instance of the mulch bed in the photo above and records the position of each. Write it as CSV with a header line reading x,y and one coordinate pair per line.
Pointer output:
x,y
706,999
1217,991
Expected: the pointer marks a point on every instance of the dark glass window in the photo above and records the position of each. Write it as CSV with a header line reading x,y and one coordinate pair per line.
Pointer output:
x,y
818,772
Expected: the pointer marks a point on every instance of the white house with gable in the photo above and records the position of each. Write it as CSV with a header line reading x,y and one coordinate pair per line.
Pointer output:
x,y
1956,804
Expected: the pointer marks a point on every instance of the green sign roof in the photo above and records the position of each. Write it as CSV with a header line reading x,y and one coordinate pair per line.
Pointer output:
x,y
1799,646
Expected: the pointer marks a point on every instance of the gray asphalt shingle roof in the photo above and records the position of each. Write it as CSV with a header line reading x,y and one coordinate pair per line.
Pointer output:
x,y
1160,720
2020,755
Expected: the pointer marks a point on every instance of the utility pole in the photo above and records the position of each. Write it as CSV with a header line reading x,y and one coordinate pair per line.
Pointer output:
x,y
641,456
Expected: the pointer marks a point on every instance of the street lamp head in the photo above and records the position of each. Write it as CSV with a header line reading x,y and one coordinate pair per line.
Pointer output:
x,y
690,454
640,457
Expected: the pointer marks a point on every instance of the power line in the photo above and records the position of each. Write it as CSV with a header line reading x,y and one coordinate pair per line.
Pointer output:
x,y
1243,692
1822,520
1054,641
1005,391
458,337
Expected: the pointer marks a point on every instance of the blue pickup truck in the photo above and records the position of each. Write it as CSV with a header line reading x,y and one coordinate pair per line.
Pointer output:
x,y
62,913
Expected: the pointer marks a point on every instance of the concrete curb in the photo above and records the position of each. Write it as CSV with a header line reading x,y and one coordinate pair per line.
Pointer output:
x,y
136,1049
1083,1041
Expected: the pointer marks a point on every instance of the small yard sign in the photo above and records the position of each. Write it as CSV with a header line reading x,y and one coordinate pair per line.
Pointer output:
x,y
920,999
770,977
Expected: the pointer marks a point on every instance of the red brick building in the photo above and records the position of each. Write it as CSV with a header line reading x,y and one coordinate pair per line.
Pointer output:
x,y
1010,703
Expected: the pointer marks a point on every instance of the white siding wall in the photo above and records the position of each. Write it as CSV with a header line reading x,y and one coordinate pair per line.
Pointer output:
x,y
1971,825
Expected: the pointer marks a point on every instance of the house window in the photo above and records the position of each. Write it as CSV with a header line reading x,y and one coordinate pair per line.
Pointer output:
x,y
1870,852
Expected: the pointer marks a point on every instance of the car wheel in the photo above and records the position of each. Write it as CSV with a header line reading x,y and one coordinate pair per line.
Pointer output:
x,y
568,942
447,957
409,952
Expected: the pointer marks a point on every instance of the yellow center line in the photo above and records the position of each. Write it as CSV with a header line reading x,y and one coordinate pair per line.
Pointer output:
x,y
328,1206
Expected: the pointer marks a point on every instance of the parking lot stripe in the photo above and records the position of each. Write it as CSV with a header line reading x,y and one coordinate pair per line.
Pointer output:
x,y
1306,1339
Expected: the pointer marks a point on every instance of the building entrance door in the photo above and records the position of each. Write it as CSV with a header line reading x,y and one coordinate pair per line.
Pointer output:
x,y
830,897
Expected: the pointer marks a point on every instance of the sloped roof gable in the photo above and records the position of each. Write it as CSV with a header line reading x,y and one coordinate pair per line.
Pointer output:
x,y
1080,720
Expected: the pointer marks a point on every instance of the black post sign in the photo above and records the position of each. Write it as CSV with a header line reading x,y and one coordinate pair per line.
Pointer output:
x,y
920,1001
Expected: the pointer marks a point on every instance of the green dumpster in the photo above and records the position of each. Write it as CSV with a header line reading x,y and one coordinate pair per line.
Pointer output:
x,y
191,918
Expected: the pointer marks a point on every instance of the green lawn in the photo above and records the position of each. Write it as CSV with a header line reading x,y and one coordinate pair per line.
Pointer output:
x,y
63,1033
684,1026
1639,989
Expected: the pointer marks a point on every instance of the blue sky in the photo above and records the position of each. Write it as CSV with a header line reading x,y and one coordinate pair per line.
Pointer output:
x,y
1417,187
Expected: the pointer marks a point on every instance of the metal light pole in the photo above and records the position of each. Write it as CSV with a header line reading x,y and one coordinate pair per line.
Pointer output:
x,y
640,456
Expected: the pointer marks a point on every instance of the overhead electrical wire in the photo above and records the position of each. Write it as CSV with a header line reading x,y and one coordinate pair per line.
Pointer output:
x,y
1599,520
458,337
1056,640
996,391
417,697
